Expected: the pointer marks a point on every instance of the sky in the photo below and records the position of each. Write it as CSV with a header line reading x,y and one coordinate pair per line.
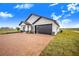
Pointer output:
x,y
66,14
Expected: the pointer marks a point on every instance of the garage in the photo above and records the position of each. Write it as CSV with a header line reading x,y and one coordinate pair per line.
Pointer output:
x,y
43,29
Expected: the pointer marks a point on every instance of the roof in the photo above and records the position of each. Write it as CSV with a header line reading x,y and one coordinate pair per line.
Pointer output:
x,y
20,22
27,23
41,17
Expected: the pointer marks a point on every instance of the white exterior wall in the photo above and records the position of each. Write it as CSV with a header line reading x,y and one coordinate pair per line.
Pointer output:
x,y
43,21
32,19
29,28
26,28
55,28
21,26
46,21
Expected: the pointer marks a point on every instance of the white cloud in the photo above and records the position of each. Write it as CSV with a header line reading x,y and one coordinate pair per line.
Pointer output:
x,y
53,4
55,17
73,7
63,11
66,21
67,15
77,8
24,6
5,14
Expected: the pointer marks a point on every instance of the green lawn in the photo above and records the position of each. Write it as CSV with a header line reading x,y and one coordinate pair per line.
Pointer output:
x,y
65,43
4,31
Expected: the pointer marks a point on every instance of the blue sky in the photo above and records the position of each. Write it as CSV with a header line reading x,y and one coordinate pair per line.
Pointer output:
x,y
66,14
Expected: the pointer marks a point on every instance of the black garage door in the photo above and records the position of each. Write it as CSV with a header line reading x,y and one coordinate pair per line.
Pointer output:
x,y
43,29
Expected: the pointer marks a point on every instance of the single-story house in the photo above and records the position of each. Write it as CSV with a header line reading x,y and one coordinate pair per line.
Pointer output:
x,y
39,24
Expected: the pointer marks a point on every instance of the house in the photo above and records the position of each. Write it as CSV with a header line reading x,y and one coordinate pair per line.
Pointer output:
x,y
39,24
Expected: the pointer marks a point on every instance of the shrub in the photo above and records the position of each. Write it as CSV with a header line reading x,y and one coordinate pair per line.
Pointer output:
x,y
18,29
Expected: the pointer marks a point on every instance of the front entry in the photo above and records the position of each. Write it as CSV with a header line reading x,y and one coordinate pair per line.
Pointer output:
x,y
23,28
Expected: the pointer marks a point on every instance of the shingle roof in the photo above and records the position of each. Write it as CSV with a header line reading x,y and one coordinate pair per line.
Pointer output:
x,y
27,23
21,22
41,17
37,19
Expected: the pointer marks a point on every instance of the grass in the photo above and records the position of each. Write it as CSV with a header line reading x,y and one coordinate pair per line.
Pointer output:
x,y
4,31
63,44
76,29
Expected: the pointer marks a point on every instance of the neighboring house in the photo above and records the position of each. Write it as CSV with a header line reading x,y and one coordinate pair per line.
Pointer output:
x,y
39,24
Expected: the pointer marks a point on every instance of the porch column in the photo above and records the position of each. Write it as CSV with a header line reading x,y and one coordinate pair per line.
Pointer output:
x,y
27,28
31,28
23,28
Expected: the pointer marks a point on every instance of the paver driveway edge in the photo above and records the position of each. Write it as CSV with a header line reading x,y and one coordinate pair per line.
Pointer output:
x,y
45,46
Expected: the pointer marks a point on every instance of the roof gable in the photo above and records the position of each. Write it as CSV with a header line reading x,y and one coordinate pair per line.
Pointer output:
x,y
22,23
46,19
33,18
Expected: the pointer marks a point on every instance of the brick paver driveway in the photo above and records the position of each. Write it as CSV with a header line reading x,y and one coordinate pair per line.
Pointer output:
x,y
23,44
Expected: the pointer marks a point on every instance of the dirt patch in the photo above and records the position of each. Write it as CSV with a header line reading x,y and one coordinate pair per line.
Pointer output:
x,y
76,31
